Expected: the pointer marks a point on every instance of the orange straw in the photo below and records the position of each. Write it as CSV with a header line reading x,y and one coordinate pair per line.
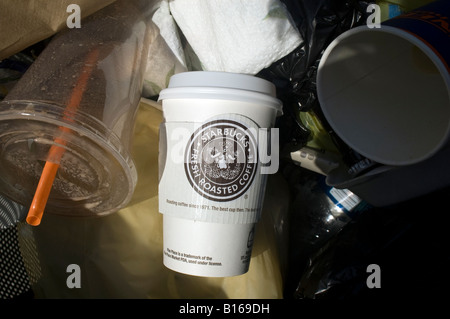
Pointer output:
x,y
56,151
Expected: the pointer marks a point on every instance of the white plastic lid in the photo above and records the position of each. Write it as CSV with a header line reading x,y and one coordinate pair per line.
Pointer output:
x,y
222,80
222,85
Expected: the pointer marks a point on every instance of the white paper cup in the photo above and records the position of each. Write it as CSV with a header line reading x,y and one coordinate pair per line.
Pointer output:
x,y
211,189
385,91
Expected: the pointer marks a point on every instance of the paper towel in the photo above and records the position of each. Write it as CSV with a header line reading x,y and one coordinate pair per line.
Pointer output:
x,y
234,35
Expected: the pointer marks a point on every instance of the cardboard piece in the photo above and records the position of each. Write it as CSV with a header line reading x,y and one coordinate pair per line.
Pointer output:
x,y
26,22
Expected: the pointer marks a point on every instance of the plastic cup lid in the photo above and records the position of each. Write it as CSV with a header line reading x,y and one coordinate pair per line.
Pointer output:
x,y
224,85
222,80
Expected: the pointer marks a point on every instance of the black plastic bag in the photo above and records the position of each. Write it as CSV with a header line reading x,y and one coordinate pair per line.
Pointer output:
x,y
319,23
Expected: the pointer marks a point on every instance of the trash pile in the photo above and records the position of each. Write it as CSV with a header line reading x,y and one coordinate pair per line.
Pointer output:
x,y
354,209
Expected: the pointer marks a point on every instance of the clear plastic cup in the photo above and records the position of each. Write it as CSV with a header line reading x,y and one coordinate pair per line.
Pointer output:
x,y
80,96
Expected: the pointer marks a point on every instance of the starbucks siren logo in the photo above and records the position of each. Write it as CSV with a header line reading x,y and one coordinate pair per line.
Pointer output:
x,y
221,160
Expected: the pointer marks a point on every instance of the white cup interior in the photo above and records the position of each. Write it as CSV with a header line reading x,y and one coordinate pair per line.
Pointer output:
x,y
386,94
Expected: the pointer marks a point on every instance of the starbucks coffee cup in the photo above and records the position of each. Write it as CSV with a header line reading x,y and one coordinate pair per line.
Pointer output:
x,y
212,180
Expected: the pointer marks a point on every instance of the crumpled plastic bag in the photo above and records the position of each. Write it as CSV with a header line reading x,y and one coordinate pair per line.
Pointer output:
x,y
319,23
120,255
